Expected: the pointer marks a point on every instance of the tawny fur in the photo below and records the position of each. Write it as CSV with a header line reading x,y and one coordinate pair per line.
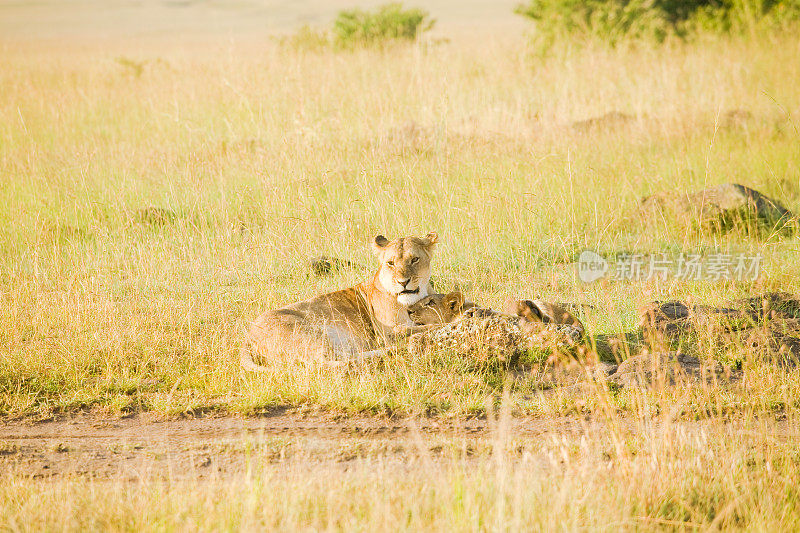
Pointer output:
x,y
541,311
434,309
447,321
352,324
444,308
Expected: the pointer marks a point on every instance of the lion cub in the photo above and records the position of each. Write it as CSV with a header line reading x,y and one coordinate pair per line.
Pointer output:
x,y
439,309
540,311
448,322
445,308
435,310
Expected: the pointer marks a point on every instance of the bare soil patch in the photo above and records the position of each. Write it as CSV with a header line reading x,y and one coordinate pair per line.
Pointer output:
x,y
145,446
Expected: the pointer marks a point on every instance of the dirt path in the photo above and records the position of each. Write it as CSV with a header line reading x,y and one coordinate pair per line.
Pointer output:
x,y
145,447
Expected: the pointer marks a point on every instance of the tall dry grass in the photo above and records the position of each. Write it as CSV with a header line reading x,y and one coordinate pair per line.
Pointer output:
x,y
642,475
263,155
260,155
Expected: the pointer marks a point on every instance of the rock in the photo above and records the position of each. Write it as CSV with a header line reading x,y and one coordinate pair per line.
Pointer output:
x,y
765,327
667,368
719,208
155,216
736,119
610,120
571,374
572,380
670,320
673,319
771,305
775,341
324,265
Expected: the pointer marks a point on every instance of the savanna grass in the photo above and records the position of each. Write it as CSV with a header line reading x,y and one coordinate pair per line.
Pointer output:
x,y
649,475
258,156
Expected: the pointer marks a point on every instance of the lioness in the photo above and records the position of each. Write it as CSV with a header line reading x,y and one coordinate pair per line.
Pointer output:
x,y
351,324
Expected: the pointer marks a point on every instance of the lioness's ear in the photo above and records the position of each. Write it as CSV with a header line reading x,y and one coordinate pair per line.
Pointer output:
x,y
432,238
454,300
379,243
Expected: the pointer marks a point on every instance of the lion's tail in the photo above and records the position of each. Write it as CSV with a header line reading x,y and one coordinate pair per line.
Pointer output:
x,y
246,359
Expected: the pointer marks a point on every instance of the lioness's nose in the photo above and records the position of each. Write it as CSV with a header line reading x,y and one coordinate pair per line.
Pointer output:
x,y
403,281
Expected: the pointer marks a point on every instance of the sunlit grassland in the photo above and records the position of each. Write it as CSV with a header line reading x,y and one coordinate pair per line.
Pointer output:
x,y
649,476
266,155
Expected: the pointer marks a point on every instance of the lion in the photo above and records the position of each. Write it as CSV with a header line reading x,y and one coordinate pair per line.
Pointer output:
x,y
438,309
350,325
434,310
448,321
540,311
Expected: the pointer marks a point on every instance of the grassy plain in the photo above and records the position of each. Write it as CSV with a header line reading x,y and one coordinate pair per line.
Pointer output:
x,y
263,155
660,476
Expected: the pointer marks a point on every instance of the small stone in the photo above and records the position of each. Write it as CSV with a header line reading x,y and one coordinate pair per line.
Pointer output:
x,y
613,119
155,216
324,265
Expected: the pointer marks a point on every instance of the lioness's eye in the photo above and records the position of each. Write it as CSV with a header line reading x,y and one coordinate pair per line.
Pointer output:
x,y
414,260
390,263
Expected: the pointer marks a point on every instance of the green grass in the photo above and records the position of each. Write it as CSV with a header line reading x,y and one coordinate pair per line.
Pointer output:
x,y
265,155
268,156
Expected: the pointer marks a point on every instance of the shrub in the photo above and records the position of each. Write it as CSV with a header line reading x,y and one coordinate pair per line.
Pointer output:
x,y
307,38
608,20
387,23
739,16
613,20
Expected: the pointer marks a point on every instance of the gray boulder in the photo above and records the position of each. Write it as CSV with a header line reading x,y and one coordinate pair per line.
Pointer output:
x,y
721,208
611,120
665,368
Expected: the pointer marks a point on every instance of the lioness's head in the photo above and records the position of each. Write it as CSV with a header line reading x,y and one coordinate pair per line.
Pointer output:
x,y
438,308
405,265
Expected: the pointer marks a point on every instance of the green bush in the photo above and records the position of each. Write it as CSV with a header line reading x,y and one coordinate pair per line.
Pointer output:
x,y
740,16
387,23
307,38
613,20
608,20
